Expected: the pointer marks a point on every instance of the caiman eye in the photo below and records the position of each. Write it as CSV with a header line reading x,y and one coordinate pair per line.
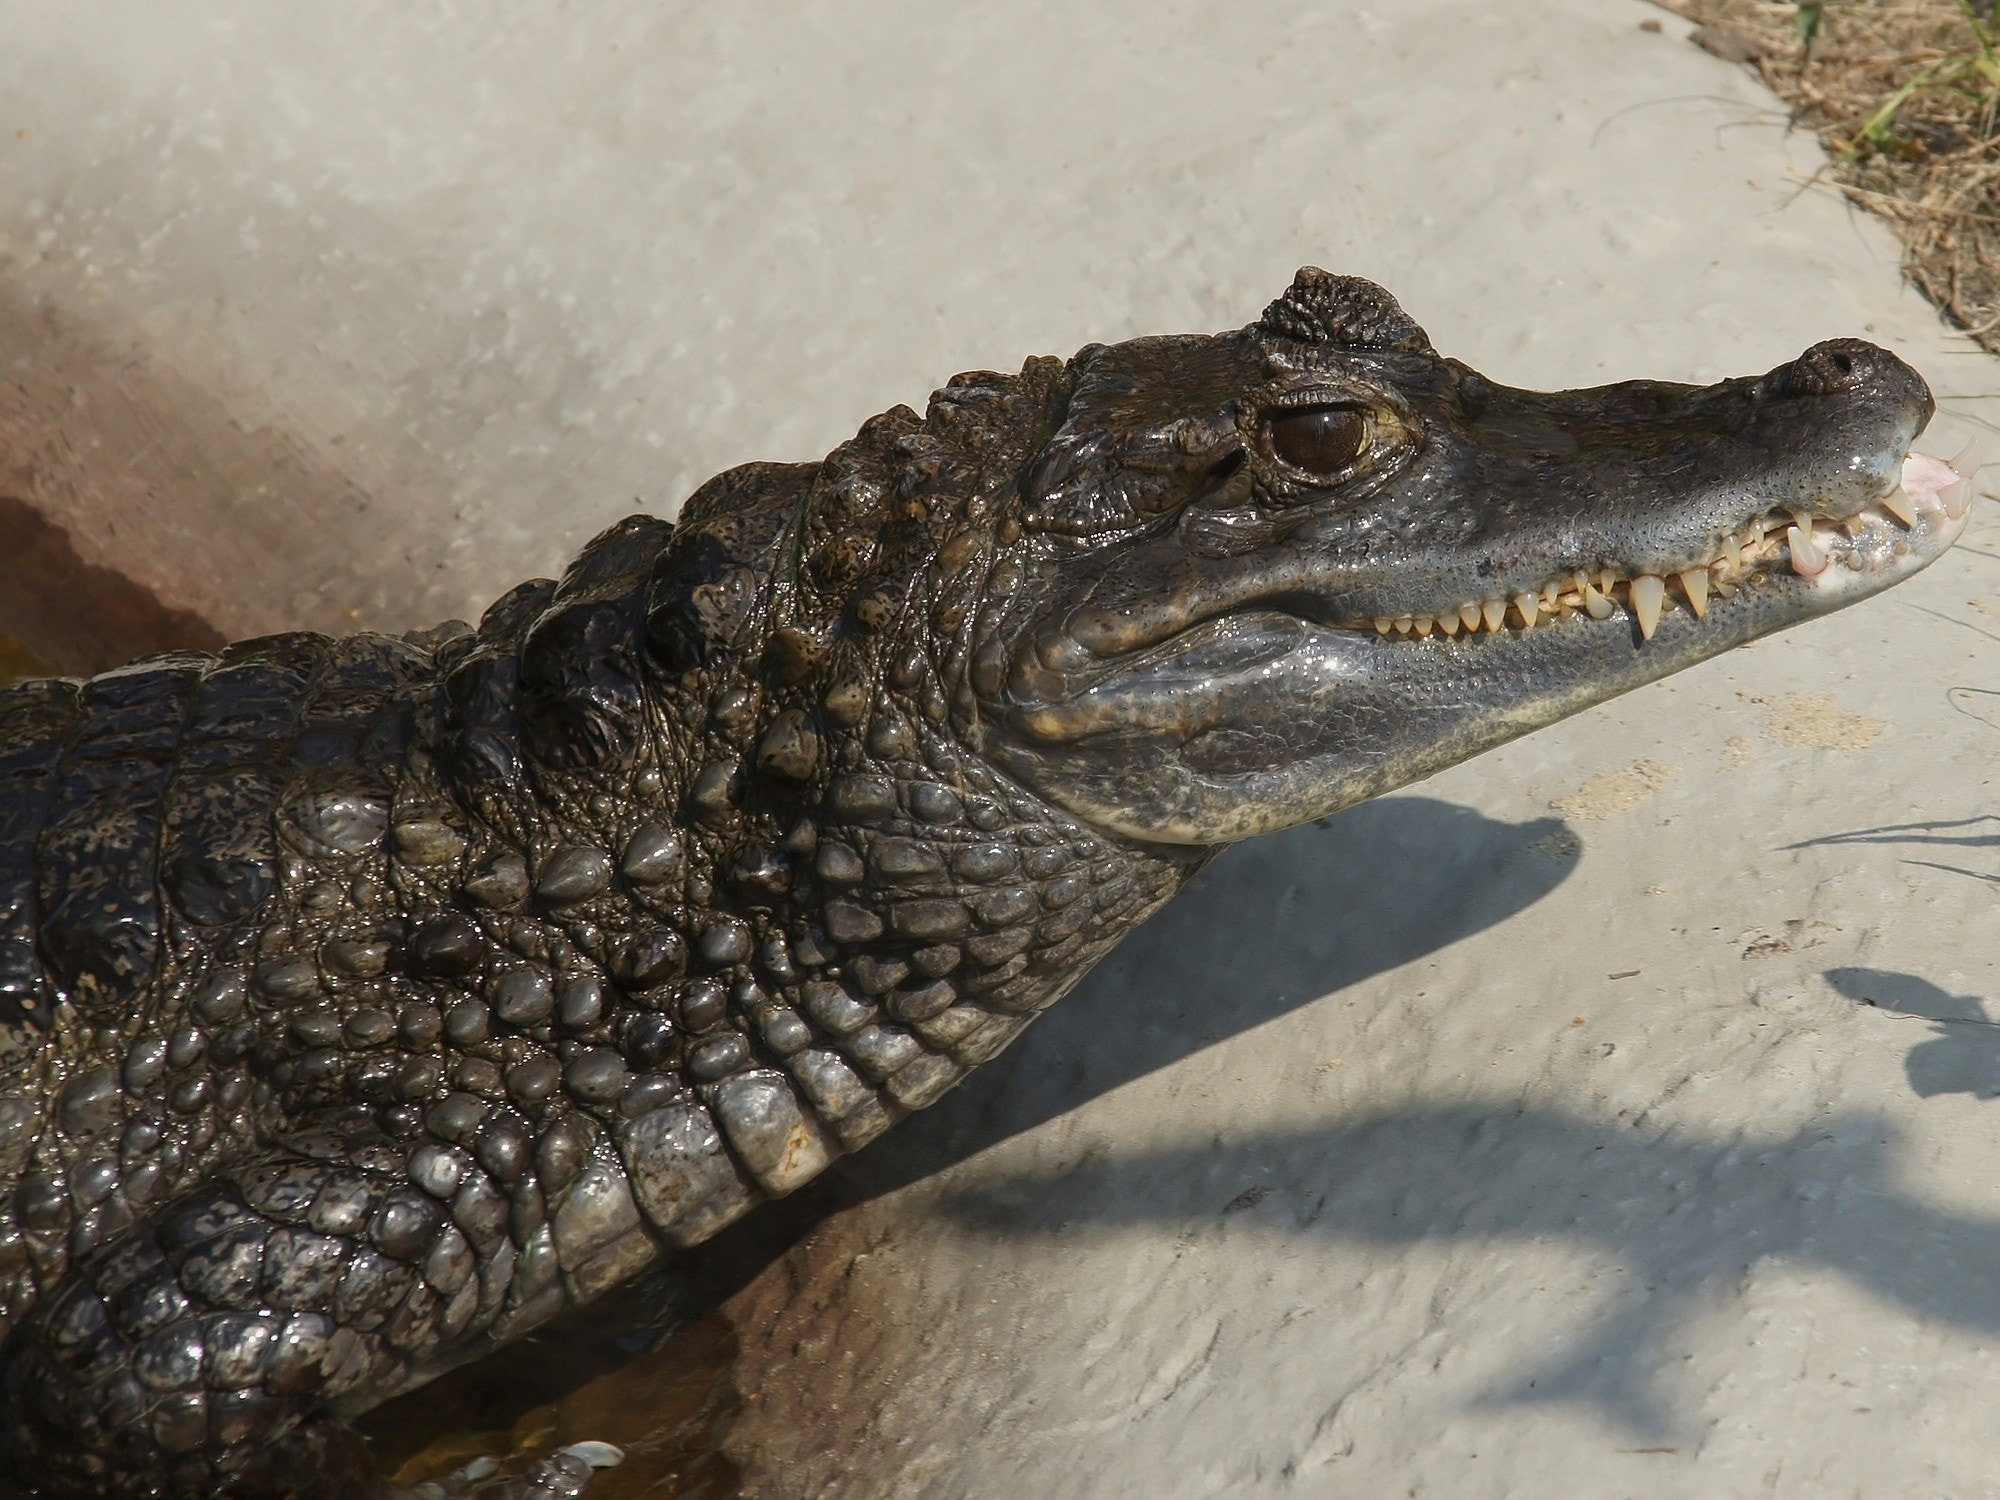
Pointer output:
x,y
1318,440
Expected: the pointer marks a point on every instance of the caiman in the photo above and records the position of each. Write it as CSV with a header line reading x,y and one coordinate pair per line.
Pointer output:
x,y
367,1002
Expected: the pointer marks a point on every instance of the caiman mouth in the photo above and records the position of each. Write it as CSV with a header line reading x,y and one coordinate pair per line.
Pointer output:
x,y
1275,574
1776,542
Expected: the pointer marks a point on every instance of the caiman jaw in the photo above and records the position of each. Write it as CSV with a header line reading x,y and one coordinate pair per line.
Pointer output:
x,y
1271,575
1776,542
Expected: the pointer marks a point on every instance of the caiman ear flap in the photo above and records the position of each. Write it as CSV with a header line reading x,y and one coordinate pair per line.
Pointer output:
x,y
1322,308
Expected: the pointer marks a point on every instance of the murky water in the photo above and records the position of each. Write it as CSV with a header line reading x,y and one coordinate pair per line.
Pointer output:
x,y
666,1398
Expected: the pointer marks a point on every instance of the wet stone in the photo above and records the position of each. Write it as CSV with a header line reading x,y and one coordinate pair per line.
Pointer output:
x,y
650,1040
448,946
923,1082
992,948
891,739
834,1008
596,1075
935,804
185,1047
437,1169
468,1023
1004,907
428,842
719,1057
863,799
523,997
338,823
419,1078
901,859
644,1095
772,1135
789,749
221,997
922,1002
985,814
580,1001
360,957
839,865
850,924
145,1062
1061,892
501,882
881,1050
289,979
653,855
759,874
724,942
1044,862
191,1094
704,1006
574,872
936,961
875,975
561,1153
533,1081
928,919
421,1025
502,1150
713,797
477,1074
653,957
774,957
983,863
785,1031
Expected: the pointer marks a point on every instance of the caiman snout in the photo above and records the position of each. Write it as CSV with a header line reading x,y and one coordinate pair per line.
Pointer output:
x,y
1841,367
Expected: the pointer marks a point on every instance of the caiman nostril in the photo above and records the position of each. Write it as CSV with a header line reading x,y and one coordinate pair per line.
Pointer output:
x,y
1841,365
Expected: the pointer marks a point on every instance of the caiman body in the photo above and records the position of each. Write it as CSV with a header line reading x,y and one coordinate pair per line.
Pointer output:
x,y
368,1002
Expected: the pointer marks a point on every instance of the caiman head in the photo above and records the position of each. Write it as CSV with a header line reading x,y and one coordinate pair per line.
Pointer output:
x,y
1245,580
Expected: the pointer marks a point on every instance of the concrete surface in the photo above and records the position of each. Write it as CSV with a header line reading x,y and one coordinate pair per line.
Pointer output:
x,y
1613,1116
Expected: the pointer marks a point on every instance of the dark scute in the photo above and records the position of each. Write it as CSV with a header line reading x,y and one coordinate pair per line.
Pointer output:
x,y
1345,311
616,559
213,890
698,599
448,945
481,718
1318,440
581,699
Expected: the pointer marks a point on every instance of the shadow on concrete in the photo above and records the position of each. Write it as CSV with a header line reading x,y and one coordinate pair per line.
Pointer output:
x,y
1272,925
1683,1218
1963,1055
1956,833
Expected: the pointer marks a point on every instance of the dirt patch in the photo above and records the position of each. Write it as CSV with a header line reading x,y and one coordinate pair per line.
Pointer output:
x,y
1905,95
1814,721
1613,792
60,614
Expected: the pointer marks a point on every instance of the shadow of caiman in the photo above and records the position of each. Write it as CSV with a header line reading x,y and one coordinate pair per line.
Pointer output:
x,y
370,1002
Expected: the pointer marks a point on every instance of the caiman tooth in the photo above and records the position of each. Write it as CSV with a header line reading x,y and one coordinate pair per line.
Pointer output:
x,y
1468,616
1694,584
1448,622
1494,613
1421,625
1732,551
1808,561
1648,594
1528,605
1596,604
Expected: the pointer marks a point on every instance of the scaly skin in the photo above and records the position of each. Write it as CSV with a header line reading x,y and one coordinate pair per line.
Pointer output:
x,y
371,1001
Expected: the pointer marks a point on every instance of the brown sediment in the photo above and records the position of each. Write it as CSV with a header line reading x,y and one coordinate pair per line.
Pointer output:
x,y
61,615
669,1404
1905,95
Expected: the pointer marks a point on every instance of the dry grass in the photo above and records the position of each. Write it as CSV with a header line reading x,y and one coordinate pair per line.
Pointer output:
x,y
1906,96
